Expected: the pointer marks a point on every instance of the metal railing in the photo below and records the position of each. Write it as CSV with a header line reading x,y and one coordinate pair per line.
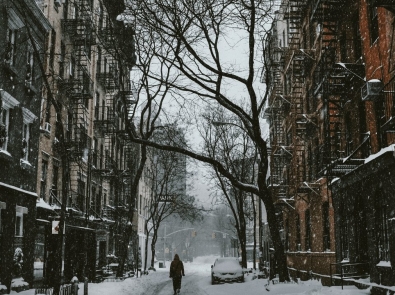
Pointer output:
x,y
64,290
350,271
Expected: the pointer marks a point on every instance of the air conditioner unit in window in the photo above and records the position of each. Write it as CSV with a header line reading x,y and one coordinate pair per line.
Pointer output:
x,y
47,127
371,90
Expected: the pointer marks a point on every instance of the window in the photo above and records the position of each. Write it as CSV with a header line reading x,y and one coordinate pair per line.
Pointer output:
x,y
99,60
95,151
349,139
19,224
20,211
382,229
8,102
298,239
286,232
98,201
43,181
65,9
97,105
81,192
2,206
344,232
4,123
25,141
101,17
28,118
308,230
69,126
29,64
62,58
93,199
55,179
326,227
101,157
71,68
10,53
373,22
52,49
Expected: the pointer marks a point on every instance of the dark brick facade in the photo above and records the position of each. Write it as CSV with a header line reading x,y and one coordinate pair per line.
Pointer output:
x,y
22,26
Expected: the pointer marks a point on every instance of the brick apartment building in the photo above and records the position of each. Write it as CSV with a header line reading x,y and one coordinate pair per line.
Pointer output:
x,y
85,161
331,134
22,28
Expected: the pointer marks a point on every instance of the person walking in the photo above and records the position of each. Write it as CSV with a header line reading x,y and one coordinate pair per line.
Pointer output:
x,y
176,273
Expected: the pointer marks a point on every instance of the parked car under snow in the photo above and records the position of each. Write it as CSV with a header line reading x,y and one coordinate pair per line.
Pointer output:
x,y
226,269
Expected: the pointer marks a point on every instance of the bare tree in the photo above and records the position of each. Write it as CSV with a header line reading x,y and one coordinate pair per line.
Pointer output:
x,y
168,174
193,35
229,144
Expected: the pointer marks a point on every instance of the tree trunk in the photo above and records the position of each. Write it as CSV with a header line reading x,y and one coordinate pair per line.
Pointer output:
x,y
254,248
153,251
279,253
146,246
132,205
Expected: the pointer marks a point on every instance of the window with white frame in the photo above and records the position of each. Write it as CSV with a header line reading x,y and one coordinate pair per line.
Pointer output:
x,y
28,118
43,181
8,102
29,64
19,225
10,53
25,141
4,122
3,206
20,211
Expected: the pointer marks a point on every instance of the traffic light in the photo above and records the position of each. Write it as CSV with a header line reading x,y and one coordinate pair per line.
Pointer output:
x,y
213,235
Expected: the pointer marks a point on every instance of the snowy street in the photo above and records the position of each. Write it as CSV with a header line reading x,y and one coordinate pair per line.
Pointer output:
x,y
197,281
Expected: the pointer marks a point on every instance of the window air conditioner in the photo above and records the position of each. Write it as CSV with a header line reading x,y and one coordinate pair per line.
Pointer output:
x,y
47,127
371,90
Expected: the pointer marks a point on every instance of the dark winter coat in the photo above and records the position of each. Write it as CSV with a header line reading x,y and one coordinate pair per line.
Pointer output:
x,y
176,267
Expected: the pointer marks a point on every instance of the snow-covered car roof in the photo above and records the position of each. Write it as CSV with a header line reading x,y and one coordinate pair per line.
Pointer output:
x,y
227,264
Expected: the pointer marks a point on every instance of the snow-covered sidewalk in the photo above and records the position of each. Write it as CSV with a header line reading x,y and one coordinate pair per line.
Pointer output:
x,y
198,282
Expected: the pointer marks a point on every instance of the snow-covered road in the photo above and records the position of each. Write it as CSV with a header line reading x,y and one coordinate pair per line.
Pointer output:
x,y
198,282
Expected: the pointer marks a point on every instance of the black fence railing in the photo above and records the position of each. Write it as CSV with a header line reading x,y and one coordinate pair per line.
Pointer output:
x,y
349,271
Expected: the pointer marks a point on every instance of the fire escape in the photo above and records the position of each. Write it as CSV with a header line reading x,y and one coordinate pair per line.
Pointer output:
x,y
298,61
275,113
334,77
117,154
78,90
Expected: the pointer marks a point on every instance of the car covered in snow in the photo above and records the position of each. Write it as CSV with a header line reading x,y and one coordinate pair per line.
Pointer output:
x,y
226,269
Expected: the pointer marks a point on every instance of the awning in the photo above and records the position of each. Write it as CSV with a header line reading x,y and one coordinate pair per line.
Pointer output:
x,y
42,204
